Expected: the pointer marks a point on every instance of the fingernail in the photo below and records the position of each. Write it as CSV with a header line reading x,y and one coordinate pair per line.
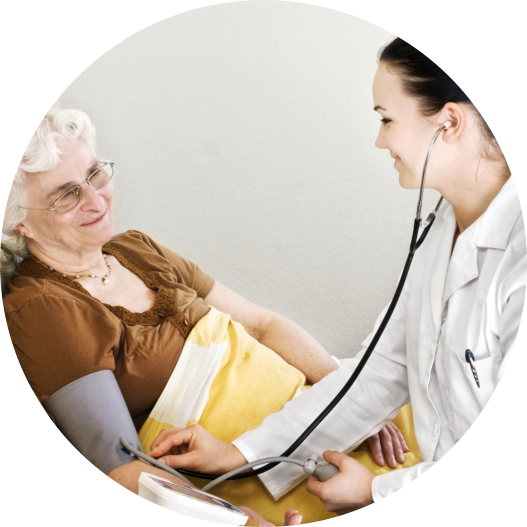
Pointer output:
x,y
299,520
162,461
382,462
394,463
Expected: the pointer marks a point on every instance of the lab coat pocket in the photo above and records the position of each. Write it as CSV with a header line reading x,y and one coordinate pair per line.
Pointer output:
x,y
464,400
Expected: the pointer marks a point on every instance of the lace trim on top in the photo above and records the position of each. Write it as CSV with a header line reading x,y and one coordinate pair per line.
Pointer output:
x,y
163,308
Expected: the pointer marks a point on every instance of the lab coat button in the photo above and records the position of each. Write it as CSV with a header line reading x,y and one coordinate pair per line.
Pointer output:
x,y
435,429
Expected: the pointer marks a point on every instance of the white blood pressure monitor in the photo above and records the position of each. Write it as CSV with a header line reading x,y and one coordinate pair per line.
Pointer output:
x,y
188,500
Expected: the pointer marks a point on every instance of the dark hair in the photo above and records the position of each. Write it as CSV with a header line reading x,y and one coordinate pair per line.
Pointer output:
x,y
425,80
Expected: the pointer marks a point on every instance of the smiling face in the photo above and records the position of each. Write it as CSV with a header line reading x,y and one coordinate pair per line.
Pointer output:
x,y
404,131
87,226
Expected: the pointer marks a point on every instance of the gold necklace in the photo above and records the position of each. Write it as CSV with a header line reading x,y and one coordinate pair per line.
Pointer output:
x,y
105,279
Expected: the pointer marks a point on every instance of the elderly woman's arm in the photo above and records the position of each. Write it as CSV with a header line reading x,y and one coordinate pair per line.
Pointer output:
x,y
295,345
128,474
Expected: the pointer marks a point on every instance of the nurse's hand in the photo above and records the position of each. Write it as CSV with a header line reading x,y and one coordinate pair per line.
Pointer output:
x,y
349,490
390,442
194,448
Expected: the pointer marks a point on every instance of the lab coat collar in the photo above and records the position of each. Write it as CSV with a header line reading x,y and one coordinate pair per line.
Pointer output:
x,y
496,224
491,230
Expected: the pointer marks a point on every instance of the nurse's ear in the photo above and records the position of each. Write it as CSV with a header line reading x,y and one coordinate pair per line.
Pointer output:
x,y
457,115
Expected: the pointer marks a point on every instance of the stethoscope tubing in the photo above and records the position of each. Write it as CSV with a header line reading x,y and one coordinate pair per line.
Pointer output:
x,y
308,431
414,245
421,190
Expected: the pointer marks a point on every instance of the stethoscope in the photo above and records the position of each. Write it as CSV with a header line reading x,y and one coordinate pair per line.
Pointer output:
x,y
323,471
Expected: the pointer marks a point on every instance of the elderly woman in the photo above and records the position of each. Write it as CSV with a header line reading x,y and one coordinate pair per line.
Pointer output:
x,y
84,300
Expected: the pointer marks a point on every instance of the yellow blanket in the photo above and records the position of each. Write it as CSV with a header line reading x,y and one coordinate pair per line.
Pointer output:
x,y
228,382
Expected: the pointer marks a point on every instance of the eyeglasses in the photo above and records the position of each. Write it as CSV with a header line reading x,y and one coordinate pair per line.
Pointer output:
x,y
68,201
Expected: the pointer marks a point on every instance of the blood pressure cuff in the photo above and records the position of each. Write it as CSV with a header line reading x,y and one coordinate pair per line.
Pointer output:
x,y
93,416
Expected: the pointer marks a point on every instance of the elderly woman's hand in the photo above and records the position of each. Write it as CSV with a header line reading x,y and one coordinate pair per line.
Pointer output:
x,y
292,517
390,442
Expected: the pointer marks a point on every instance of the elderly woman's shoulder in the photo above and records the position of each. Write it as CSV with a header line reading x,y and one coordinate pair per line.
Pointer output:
x,y
25,294
131,234
131,238
23,281
135,244
34,287
25,291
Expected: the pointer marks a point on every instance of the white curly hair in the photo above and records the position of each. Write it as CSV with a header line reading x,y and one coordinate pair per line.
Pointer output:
x,y
42,154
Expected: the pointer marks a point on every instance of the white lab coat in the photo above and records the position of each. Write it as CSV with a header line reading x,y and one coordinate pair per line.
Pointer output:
x,y
470,299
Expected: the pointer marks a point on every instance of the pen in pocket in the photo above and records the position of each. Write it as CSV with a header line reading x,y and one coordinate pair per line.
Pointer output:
x,y
469,357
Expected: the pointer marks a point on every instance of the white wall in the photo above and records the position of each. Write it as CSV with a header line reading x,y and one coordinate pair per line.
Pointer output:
x,y
243,136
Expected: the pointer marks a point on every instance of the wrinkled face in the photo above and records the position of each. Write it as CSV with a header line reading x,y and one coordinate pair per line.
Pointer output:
x,y
404,131
87,226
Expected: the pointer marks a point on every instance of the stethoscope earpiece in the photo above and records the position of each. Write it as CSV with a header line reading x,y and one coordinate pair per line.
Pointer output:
x,y
447,125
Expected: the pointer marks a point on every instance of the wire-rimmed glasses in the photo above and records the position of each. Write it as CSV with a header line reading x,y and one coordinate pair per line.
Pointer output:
x,y
70,199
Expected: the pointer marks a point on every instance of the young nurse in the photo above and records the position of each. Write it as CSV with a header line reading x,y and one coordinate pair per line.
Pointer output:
x,y
465,291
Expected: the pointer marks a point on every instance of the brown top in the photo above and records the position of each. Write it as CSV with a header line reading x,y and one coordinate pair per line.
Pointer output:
x,y
61,333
